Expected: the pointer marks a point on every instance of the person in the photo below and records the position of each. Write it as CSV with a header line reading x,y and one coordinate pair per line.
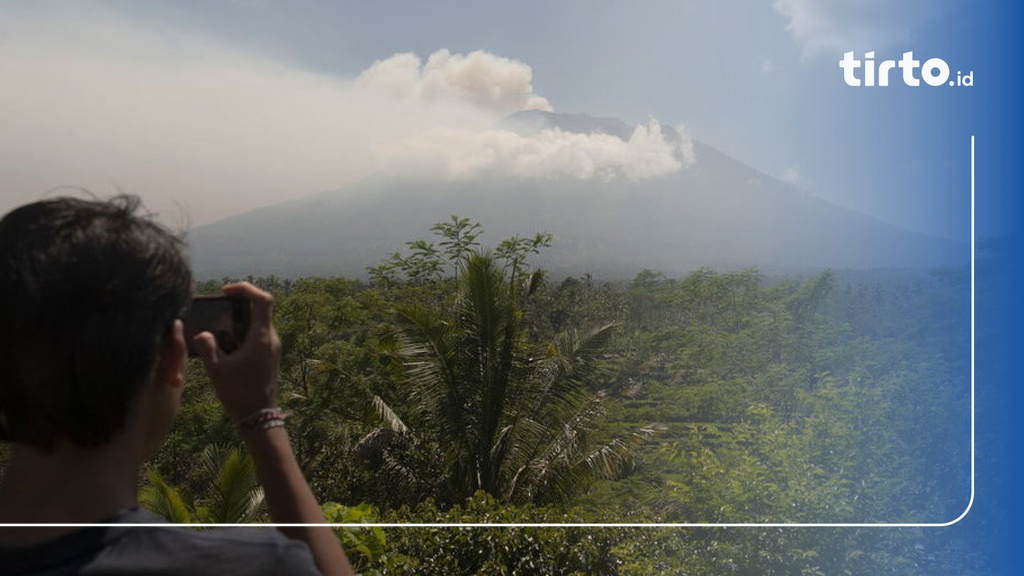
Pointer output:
x,y
92,364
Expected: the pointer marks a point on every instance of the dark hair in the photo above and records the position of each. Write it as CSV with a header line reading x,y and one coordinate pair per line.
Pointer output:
x,y
87,289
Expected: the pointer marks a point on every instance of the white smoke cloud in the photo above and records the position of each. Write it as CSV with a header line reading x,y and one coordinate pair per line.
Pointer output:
x,y
464,154
93,100
485,81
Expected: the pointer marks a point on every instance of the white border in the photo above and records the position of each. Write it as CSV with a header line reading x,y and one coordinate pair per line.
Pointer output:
x,y
970,503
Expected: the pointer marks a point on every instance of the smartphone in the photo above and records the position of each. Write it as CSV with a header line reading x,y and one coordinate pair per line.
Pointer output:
x,y
226,317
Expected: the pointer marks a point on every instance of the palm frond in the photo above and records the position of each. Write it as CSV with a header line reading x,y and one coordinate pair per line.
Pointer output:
x,y
387,415
508,419
235,496
606,462
164,500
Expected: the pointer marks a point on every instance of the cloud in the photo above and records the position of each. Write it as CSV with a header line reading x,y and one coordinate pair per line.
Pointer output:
x,y
95,100
463,154
480,79
791,176
825,28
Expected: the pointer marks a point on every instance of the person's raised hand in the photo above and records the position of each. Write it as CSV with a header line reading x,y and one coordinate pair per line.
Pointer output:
x,y
245,379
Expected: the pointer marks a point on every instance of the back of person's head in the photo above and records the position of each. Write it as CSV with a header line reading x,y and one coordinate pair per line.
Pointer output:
x,y
87,290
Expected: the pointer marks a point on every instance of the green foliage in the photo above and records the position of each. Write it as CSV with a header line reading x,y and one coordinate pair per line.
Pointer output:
x,y
425,263
164,500
460,236
504,550
365,546
235,495
231,495
460,387
780,413
553,542
515,250
510,418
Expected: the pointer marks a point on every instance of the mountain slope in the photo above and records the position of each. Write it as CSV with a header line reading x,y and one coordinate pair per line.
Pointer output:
x,y
716,212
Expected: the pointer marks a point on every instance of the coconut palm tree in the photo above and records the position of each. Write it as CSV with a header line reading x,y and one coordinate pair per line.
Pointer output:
x,y
232,494
508,417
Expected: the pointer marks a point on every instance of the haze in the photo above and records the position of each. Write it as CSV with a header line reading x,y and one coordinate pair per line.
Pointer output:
x,y
214,108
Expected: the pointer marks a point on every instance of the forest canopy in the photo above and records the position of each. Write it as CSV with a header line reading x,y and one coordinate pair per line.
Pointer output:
x,y
462,385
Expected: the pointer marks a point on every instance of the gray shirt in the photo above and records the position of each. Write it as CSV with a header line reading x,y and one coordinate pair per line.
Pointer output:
x,y
166,550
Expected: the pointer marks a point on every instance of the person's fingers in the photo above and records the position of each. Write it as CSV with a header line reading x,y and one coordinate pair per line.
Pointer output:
x,y
248,290
262,302
206,347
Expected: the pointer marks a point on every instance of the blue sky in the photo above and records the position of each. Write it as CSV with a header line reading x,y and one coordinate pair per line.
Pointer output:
x,y
216,107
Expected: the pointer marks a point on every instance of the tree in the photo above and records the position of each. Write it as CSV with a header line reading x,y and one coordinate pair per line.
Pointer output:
x,y
232,494
509,418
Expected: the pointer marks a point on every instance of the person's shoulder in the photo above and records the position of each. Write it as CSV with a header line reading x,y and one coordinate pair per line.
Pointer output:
x,y
169,549
137,542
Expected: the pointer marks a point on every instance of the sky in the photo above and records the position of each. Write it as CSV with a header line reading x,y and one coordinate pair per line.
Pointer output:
x,y
212,108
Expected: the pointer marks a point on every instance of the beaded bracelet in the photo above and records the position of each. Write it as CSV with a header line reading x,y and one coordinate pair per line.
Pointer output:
x,y
262,420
